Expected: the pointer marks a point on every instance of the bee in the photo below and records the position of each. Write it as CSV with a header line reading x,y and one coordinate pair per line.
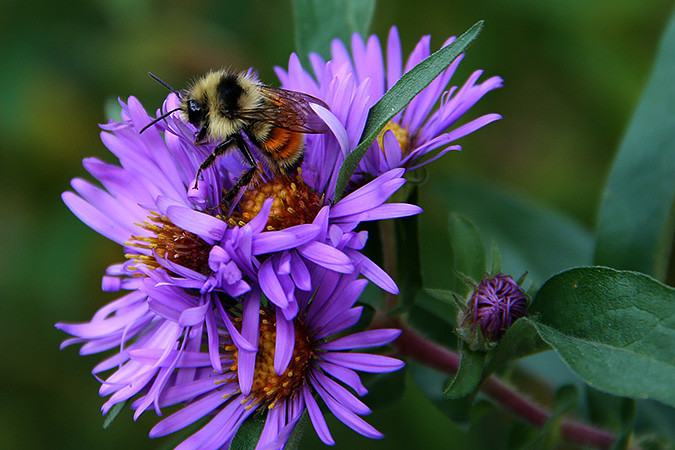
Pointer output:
x,y
225,106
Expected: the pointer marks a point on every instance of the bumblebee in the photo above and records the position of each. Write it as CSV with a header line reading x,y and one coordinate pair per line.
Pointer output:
x,y
225,106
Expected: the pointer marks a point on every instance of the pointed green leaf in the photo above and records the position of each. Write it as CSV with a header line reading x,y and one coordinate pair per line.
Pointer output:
x,y
409,266
635,226
318,22
615,329
468,377
385,389
400,94
112,414
431,382
531,237
467,251
248,435
627,418
520,340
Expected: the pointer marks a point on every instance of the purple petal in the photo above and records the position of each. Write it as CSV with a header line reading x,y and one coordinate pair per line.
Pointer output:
x,y
95,219
275,241
285,342
341,395
344,375
207,227
316,417
327,256
270,285
347,417
364,362
370,338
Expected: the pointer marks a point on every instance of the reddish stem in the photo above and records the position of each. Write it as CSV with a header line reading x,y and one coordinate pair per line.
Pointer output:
x,y
416,347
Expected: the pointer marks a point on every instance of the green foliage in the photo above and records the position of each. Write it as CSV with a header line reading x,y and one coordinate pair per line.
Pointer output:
x,y
400,94
519,341
468,252
112,414
635,226
432,382
531,237
566,399
408,255
318,22
469,375
615,329
385,389
249,433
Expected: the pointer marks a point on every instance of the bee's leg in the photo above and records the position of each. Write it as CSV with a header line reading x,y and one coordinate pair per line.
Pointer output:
x,y
219,150
243,148
241,182
247,177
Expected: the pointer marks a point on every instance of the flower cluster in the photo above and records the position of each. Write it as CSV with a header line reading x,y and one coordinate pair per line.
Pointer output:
x,y
231,312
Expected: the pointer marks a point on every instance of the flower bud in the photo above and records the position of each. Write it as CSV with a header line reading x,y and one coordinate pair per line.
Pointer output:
x,y
494,305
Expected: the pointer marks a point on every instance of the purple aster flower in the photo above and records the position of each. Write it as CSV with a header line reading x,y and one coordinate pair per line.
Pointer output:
x,y
494,305
282,226
155,316
174,244
412,135
155,174
320,362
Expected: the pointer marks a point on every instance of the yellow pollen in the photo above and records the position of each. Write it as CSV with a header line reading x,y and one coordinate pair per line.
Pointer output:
x,y
402,136
294,203
268,387
171,243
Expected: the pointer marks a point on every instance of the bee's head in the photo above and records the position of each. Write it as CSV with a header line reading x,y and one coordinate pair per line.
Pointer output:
x,y
194,111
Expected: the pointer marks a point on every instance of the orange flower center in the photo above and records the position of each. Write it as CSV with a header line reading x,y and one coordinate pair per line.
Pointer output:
x,y
294,203
171,243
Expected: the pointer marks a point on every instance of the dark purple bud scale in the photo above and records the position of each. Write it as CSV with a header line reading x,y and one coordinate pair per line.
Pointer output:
x,y
496,303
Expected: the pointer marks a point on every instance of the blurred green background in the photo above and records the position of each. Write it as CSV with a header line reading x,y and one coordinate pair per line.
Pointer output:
x,y
573,71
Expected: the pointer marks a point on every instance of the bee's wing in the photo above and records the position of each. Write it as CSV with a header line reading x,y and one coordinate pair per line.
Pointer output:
x,y
290,110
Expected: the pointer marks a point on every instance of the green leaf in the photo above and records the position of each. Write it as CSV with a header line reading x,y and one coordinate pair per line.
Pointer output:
x,y
531,237
408,254
248,435
468,377
400,94
467,251
615,329
431,383
112,414
495,258
437,316
635,226
520,340
627,418
318,22
113,109
385,389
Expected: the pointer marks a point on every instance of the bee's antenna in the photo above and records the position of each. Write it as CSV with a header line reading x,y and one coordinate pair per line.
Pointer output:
x,y
163,116
163,83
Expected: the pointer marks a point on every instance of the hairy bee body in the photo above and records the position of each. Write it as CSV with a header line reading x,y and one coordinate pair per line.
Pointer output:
x,y
225,105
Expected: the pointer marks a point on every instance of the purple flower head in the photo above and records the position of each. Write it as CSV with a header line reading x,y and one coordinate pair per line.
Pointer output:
x,y
359,80
495,304
155,317
132,206
318,363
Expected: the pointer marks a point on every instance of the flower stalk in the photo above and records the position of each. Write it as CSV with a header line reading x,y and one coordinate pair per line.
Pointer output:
x,y
411,345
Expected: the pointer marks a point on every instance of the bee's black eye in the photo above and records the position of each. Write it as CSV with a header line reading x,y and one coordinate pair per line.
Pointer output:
x,y
194,106
195,112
